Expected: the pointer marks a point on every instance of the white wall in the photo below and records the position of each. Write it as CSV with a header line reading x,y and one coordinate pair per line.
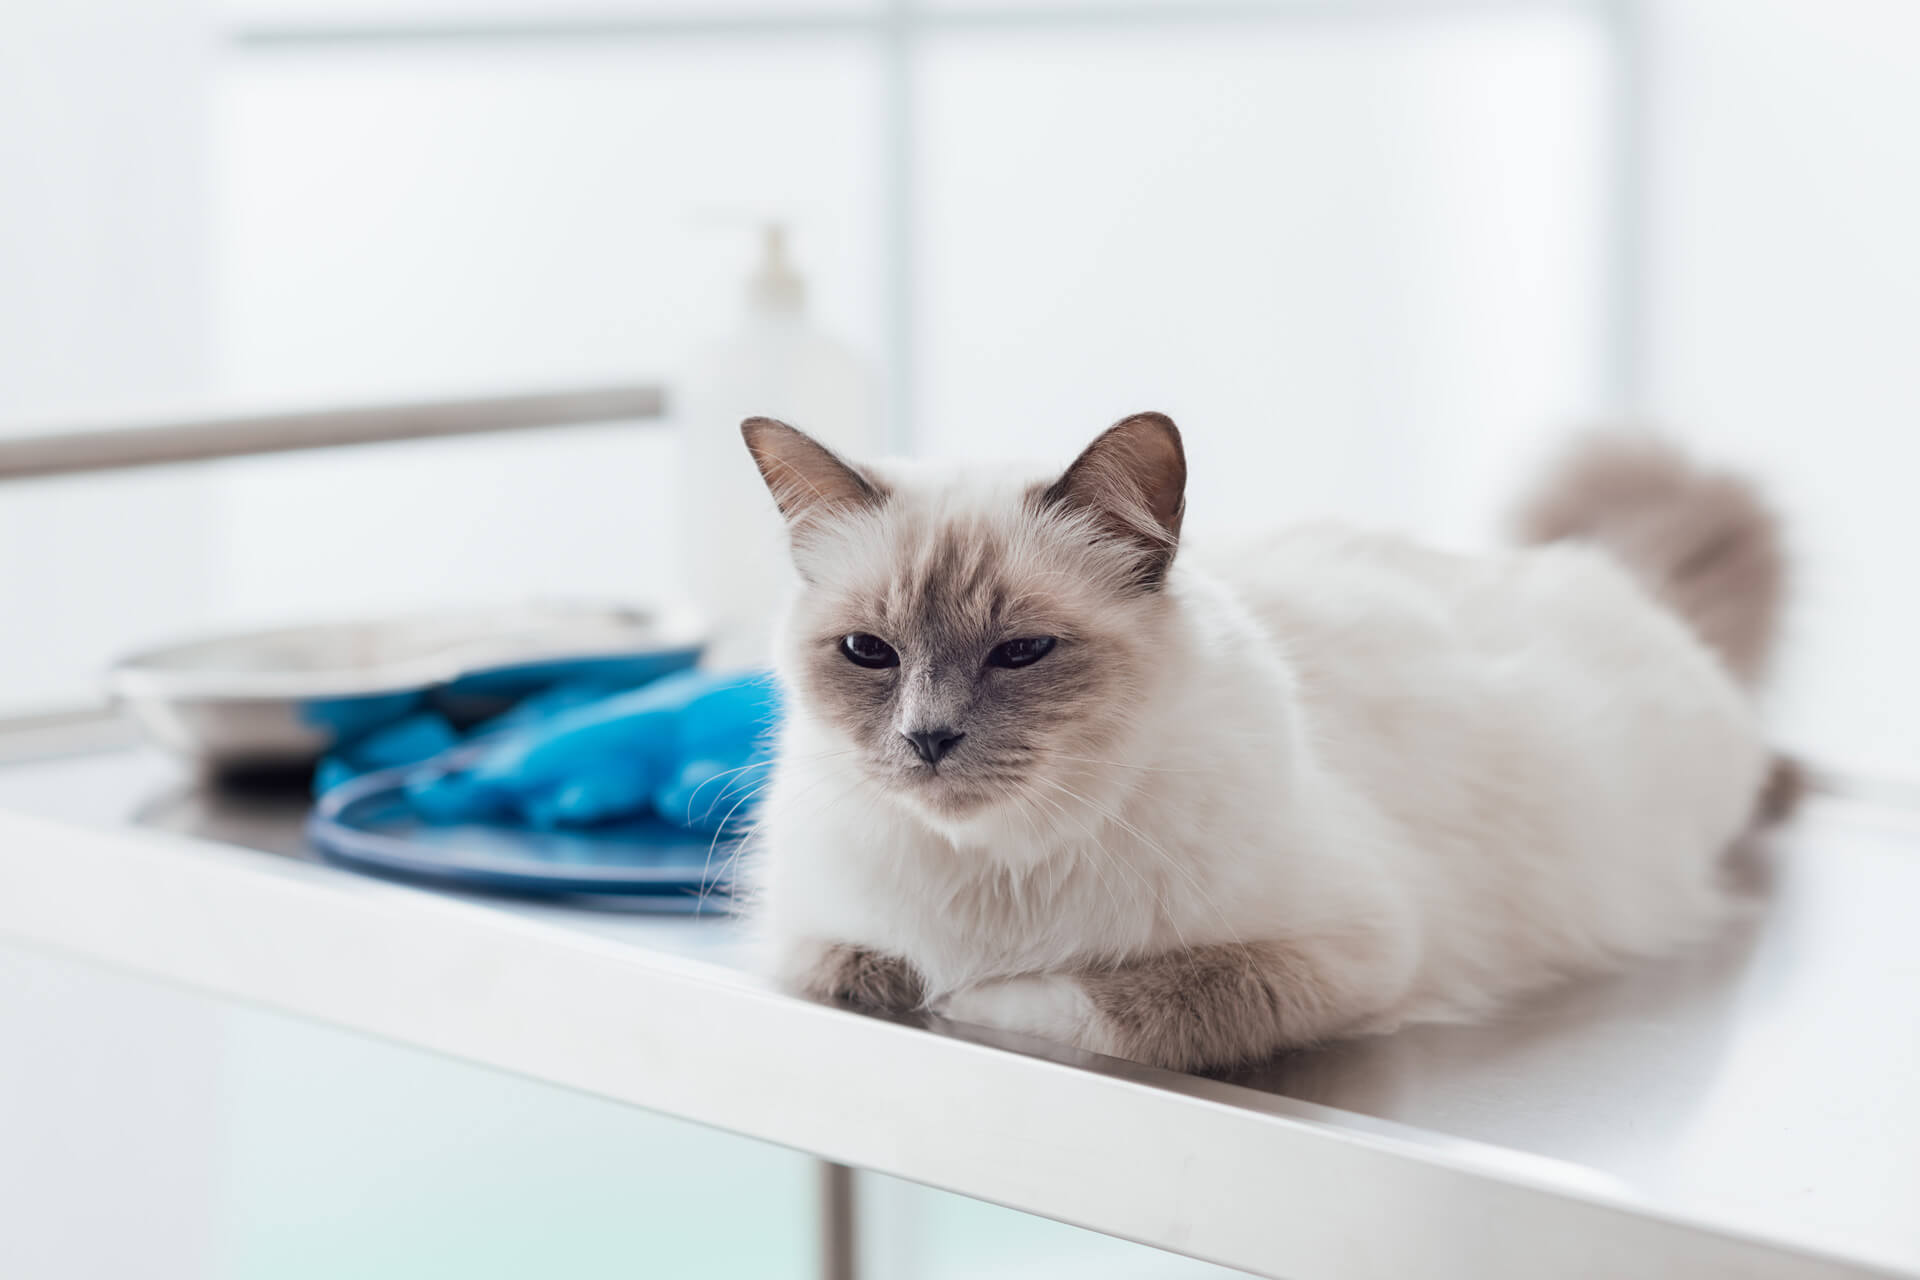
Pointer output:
x,y
1786,321
527,215
1360,261
103,226
104,293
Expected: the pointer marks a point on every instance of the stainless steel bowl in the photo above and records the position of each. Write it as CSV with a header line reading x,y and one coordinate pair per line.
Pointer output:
x,y
284,697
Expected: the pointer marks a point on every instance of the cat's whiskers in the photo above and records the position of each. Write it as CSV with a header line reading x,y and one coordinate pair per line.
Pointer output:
x,y
706,881
742,845
769,762
1093,863
722,794
1116,764
706,866
1159,899
1172,863
1011,796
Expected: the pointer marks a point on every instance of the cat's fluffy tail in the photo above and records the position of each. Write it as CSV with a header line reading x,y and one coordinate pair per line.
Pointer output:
x,y
1703,541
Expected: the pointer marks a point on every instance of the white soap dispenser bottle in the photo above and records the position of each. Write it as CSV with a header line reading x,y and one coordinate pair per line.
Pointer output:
x,y
732,543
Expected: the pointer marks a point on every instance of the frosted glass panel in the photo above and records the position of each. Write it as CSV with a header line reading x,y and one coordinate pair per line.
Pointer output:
x,y
1360,262
229,1143
226,1143
911,1232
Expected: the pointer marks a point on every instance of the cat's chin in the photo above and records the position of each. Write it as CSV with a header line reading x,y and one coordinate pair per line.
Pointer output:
x,y
943,801
972,818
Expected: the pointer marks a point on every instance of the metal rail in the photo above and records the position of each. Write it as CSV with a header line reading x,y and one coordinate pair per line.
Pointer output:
x,y
83,448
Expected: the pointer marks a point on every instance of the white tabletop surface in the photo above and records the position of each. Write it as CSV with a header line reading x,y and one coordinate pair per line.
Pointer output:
x,y
1750,1107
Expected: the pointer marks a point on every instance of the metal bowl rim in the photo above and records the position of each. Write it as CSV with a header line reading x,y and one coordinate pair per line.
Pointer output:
x,y
134,678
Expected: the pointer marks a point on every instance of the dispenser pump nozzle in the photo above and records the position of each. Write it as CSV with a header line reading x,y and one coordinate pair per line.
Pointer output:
x,y
775,286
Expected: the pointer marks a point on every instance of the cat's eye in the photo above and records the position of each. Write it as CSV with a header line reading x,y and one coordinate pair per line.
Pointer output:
x,y
1020,653
864,650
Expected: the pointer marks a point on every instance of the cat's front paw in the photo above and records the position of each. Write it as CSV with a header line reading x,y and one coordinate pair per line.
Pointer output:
x,y
860,976
1051,1006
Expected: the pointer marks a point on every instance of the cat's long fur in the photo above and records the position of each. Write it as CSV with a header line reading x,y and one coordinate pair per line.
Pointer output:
x,y
1314,784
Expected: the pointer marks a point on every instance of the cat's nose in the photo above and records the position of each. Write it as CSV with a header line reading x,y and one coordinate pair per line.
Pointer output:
x,y
932,745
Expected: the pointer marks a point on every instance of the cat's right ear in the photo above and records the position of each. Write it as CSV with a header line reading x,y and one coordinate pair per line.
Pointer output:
x,y
808,480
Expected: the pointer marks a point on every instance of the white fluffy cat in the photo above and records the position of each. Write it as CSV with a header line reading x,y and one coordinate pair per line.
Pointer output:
x,y
1040,773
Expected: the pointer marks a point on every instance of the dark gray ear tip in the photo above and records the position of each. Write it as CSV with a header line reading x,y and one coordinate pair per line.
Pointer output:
x,y
1150,421
751,427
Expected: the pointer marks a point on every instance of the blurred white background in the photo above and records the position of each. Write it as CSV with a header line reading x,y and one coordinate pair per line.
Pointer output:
x,y
1374,255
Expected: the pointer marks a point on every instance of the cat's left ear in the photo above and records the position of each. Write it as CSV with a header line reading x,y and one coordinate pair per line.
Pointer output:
x,y
1133,480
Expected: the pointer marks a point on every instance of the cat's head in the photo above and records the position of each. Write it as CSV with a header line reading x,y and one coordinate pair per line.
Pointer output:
x,y
972,642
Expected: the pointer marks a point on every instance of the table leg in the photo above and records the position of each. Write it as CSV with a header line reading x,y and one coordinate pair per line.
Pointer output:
x,y
839,1243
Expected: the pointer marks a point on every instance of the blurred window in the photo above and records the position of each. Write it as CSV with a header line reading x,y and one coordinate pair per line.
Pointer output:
x,y
1375,256
1030,218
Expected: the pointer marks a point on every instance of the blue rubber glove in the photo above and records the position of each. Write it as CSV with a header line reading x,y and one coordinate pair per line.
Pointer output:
x,y
389,731
687,748
722,755
418,736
